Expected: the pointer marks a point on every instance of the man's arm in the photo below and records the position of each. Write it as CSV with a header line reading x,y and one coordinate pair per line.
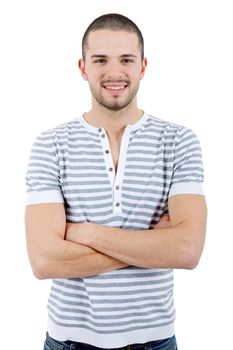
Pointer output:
x,y
179,246
51,256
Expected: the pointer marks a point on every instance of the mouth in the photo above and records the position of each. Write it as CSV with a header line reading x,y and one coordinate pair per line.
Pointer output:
x,y
115,87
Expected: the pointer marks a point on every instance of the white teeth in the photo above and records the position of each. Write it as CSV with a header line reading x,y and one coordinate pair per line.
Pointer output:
x,y
115,87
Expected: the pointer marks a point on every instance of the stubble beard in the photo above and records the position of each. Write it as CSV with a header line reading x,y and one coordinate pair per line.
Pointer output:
x,y
115,105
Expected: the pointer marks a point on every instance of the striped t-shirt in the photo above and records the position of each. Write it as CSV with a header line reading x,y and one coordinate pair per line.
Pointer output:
x,y
72,164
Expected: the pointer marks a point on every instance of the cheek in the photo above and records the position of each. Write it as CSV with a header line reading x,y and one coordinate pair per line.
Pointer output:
x,y
94,78
135,74
135,77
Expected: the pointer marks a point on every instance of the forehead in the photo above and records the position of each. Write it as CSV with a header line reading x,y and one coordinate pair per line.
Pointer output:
x,y
111,42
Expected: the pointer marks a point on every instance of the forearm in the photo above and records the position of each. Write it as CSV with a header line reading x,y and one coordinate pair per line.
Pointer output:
x,y
178,245
156,248
63,259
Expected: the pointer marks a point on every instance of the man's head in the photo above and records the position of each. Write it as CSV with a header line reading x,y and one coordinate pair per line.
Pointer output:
x,y
113,61
115,22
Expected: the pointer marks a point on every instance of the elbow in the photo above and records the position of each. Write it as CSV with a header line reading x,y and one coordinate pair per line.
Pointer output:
x,y
40,269
191,249
190,258
39,274
191,263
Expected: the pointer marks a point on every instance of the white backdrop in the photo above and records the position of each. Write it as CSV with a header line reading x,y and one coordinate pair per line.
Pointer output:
x,y
189,81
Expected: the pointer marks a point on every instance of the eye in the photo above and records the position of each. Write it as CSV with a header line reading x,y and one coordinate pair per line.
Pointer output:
x,y
100,61
127,60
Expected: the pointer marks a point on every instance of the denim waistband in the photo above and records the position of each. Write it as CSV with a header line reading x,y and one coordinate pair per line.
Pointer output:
x,y
52,344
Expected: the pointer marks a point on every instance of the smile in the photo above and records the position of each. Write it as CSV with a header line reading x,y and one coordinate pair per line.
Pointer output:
x,y
114,87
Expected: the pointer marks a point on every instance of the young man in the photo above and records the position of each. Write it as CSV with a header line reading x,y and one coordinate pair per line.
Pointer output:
x,y
100,189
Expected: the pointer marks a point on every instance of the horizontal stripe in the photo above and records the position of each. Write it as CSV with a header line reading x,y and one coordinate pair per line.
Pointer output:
x,y
103,328
84,307
103,315
123,285
113,301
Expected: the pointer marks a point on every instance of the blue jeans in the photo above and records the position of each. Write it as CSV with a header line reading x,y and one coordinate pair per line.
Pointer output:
x,y
164,344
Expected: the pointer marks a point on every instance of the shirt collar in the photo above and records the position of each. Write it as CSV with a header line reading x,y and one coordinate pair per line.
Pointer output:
x,y
130,127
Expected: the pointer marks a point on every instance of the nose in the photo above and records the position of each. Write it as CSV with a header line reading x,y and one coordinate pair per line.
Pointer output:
x,y
115,70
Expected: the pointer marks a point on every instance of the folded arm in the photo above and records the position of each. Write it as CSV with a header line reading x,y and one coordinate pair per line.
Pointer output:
x,y
52,256
178,246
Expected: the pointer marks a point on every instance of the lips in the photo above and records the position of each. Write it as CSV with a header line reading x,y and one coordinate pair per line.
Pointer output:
x,y
115,86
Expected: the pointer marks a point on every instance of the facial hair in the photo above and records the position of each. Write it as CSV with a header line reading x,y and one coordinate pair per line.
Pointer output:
x,y
114,105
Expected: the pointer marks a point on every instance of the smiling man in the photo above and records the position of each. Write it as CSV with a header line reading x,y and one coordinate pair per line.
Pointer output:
x,y
115,203
113,72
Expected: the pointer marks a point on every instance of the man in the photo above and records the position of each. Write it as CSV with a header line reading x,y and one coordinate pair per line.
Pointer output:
x,y
100,189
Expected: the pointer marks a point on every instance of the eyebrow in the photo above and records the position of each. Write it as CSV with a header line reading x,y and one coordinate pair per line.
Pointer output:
x,y
122,56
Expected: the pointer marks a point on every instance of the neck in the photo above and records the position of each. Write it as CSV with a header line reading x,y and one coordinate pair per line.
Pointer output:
x,y
113,121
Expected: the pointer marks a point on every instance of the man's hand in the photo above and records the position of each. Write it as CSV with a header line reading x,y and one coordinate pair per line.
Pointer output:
x,y
80,232
164,222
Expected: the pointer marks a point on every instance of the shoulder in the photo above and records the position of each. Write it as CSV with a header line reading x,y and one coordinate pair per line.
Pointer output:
x,y
71,125
58,132
170,130
166,125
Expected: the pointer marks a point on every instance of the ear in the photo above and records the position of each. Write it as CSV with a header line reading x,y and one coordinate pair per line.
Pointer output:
x,y
81,65
144,64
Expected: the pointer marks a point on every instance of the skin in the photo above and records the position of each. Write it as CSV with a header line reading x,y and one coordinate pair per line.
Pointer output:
x,y
178,243
113,58
113,69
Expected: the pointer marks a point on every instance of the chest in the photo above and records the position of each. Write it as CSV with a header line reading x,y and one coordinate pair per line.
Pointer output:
x,y
122,183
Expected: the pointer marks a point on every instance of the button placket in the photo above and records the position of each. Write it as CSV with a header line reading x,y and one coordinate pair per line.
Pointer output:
x,y
117,199
117,190
107,155
115,179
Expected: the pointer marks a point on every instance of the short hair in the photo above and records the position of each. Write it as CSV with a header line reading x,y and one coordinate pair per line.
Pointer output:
x,y
116,22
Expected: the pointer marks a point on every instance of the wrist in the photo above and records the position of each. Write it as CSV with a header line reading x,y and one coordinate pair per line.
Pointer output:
x,y
96,234
70,232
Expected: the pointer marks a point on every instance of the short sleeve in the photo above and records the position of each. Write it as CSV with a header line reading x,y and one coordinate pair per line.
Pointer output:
x,y
188,175
43,173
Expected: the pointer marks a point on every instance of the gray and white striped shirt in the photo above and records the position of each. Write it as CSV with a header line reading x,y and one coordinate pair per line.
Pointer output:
x,y
72,164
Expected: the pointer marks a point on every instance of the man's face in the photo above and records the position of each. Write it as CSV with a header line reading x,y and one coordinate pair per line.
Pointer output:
x,y
113,68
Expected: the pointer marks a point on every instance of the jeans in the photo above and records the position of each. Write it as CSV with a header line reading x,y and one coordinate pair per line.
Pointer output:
x,y
164,344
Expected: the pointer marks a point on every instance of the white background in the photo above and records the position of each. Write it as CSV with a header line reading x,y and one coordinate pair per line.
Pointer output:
x,y
189,81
